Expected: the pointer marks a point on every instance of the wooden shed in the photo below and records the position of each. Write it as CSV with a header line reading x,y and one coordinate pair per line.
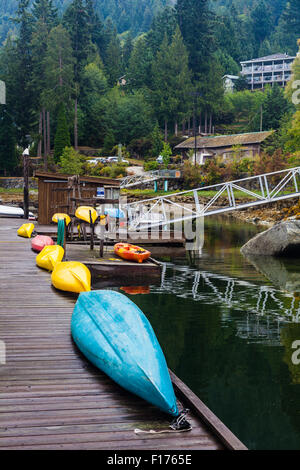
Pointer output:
x,y
56,191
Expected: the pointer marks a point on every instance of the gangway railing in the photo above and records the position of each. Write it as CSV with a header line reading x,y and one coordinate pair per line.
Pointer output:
x,y
136,180
260,189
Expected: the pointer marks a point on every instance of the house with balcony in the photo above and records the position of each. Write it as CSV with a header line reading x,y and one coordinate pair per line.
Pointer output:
x,y
276,68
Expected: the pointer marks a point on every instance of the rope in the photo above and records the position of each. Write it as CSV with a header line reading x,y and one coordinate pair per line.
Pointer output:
x,y
179,424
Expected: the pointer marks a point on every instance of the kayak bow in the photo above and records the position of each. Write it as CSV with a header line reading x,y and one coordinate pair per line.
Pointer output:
x,y
114,334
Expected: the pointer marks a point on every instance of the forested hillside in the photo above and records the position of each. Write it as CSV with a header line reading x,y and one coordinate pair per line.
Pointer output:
x,y
72,78
134,15
261,26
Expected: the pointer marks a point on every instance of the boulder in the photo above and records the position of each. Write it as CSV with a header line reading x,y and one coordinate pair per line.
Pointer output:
x,y
283,239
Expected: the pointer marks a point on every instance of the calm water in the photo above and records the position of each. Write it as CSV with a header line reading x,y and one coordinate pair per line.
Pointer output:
x,y
226,326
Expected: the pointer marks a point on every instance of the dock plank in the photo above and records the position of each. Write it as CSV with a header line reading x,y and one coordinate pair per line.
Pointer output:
x,y
50,396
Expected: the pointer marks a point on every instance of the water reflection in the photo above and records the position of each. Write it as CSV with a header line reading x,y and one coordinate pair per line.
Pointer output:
x,y
283,273
219,289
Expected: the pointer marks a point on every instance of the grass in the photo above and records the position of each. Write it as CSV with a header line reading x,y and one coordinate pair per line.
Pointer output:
x,y
14,190
11,190
149,193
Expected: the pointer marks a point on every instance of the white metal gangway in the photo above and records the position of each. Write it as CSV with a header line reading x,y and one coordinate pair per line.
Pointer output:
x,y
136,180
164,210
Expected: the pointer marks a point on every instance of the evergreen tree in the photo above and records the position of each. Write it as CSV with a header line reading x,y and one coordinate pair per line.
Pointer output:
x,y
114,61
77,23
195,21
261,23
8,154
164,23
45,11
23,93
59,70
127,51
62,135
139,69
171,80
274,108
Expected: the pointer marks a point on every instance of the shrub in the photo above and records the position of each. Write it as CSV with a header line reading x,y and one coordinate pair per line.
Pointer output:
x,y
151,166
71,162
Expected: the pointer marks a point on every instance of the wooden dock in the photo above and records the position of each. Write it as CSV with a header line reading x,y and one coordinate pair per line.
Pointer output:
x,y
51,397
153,238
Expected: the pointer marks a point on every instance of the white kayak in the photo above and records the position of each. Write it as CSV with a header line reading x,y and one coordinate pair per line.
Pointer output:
x,y
9,211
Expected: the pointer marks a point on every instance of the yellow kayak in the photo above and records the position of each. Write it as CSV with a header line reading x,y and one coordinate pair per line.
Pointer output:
x,y
26,230
71,276
49,257
61,216
83,213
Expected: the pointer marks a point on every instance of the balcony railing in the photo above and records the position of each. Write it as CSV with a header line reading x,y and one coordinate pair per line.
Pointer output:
x,y
275,78
267,68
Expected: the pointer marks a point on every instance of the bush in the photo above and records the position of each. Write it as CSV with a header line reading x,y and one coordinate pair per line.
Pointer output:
x,y
114,171
151,166
71,162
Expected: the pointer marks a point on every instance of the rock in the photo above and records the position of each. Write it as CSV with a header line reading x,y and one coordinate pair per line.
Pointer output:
x,y
283,239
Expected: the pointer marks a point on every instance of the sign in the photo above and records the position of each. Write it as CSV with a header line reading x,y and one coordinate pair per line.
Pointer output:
x,y
101,192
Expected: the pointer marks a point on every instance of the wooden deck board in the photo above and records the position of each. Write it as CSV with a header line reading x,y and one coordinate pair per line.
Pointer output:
x,y
50,396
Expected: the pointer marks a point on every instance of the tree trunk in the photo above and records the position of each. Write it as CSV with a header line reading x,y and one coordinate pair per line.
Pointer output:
x,y
205,129
176,128
39,149
210,123
48,134
76,125
166,130
183,127
189,126
45,140
200,119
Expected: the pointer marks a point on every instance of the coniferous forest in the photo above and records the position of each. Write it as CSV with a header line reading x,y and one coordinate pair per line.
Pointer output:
x,y
101,72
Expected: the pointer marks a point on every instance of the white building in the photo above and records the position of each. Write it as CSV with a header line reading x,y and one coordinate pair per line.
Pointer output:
x,y
229,83
267,70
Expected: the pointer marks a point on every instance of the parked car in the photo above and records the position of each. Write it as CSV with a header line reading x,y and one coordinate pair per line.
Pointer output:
x,y
116,160
94,161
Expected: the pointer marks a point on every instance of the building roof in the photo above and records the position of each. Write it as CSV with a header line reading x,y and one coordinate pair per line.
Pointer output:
x,y
232,77
87,179
225,140
269,57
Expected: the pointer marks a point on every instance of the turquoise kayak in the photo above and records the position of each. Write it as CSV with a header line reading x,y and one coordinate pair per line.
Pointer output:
x,y
114,334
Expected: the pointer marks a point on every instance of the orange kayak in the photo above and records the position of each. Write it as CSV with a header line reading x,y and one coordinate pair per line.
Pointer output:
x,y
131,252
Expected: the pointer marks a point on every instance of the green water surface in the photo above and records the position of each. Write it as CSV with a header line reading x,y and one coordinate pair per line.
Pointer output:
x,y
226,326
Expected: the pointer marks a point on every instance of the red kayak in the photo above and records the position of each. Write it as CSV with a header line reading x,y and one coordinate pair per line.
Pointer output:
x,y
40,241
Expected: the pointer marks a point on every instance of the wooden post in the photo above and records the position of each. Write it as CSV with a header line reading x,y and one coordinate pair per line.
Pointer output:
x,y
76,125
102,228
39,149
26,182
48,135
91,232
